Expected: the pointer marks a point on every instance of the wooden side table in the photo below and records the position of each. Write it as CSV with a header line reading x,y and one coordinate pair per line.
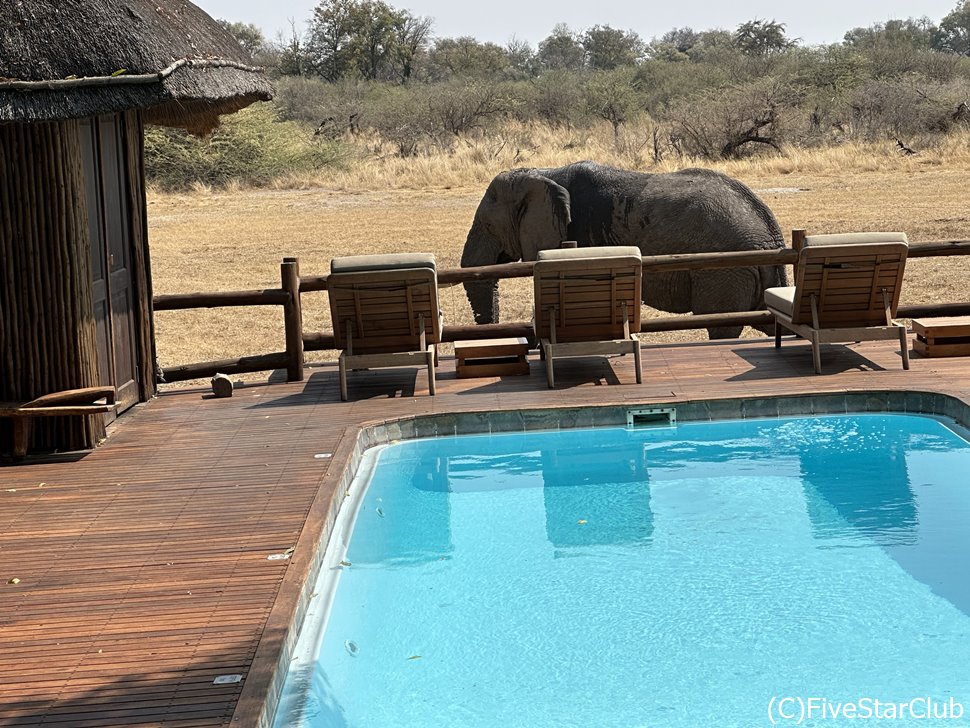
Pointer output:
x,y
492,357
942,336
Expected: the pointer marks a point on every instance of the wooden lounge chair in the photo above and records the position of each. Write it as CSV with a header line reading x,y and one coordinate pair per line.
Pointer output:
x,y
69,403
587,302
385,312
847,289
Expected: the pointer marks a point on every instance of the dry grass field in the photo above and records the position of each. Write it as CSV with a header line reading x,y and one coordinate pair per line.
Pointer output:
x,y
234,240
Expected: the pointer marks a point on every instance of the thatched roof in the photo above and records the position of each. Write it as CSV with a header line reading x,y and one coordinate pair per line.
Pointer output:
x,y
68,59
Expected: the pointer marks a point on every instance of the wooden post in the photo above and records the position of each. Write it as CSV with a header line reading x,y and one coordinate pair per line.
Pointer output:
x,y
292,319
798,236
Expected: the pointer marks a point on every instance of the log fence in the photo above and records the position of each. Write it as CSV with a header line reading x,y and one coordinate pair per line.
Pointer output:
x,y
292,286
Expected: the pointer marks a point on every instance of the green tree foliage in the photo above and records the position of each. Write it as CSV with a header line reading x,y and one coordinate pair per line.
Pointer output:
x,y
953,35
762,38
522,59
609,48
614,96
914,33
674,45
367,38
561,50
248,35
411,40
465,57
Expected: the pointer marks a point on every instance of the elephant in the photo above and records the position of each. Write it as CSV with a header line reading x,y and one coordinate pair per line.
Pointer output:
x,y
524,211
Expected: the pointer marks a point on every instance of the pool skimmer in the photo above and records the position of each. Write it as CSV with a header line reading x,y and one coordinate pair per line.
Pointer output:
x,y
651,417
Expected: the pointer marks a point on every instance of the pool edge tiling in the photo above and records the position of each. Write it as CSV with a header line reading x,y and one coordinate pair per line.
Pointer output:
x,y
376,433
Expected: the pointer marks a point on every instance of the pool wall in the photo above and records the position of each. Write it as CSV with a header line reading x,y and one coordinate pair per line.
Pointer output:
x,y
264,684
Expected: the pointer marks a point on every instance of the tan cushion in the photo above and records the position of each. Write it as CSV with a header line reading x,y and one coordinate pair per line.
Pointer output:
x,y
781,299
390,261
603,251
855,239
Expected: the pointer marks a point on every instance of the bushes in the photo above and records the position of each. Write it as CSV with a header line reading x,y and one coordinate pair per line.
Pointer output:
x,y
711,105
252,147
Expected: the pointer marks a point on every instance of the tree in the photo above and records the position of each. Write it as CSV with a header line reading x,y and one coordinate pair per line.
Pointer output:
x,y
674,45
366,38
411,36
293,54
561,50
914,33
609,48
330,38
374,38
761,38
614,97
953,35
521,57
248,35
466,57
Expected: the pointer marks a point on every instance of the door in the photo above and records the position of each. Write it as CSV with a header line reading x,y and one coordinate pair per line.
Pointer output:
x,y
102,145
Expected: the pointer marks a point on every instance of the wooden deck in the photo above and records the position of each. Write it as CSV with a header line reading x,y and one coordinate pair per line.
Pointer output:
x,y
133,576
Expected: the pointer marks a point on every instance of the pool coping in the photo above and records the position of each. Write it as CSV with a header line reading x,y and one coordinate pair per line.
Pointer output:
x,y
264,685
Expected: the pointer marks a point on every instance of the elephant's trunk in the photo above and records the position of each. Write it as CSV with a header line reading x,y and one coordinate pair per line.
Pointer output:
x,y
483,296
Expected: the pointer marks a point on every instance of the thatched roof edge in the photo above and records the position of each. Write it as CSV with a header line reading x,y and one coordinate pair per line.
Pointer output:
x,y
70,59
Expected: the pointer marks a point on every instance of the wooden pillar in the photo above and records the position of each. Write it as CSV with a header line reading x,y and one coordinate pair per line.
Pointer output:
x,y
140,260
47,334
292,319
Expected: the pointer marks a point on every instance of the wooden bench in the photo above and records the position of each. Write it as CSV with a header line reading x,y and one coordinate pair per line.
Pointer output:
x,y
942,336
69,403
492,357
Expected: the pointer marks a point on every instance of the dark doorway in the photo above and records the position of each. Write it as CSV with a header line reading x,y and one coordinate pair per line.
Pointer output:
x,y
103,141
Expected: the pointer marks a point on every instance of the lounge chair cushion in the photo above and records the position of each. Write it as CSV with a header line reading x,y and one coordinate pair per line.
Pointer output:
x,y
390,261
855,239
781,299
603,251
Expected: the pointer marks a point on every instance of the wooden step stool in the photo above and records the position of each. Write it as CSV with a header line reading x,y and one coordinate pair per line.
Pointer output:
x,y
942,336
492,357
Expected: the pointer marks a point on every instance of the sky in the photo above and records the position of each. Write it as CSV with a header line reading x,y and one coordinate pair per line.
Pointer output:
x,y
812,21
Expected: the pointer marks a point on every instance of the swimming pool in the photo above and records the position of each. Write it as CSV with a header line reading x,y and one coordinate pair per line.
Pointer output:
x,y
680,576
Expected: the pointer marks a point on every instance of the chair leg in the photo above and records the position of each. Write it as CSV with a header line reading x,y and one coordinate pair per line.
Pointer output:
x,y
550,375
342,367
636,361
816,353
904,346
432,360
777,335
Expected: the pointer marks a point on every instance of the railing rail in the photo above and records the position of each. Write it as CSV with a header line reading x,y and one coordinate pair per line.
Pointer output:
x,y
292,286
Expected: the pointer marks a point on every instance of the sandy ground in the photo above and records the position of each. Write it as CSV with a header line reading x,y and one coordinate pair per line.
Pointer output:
x,y
236,240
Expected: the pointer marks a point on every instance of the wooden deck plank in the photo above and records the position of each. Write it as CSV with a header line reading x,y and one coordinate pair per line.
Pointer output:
x,y
142,566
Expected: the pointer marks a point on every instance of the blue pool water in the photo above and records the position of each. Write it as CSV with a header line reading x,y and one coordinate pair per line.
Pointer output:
x,y
661,577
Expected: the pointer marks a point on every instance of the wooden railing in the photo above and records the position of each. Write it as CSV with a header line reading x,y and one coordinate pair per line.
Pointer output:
x,y
292,286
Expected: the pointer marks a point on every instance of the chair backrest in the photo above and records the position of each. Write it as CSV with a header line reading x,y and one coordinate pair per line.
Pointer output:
x,y
585,290
381,299
848,275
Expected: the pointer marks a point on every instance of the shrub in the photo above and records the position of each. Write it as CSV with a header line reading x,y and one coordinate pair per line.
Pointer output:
x,y
252,147
733,122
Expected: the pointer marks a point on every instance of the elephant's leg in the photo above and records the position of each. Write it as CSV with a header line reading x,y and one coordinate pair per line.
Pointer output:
x,y
722,291
724,332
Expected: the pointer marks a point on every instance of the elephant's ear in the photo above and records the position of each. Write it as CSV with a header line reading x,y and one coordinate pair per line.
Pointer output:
x,y
543,214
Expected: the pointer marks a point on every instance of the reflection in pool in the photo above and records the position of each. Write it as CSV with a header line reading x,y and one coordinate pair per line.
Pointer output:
x,y
666,577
